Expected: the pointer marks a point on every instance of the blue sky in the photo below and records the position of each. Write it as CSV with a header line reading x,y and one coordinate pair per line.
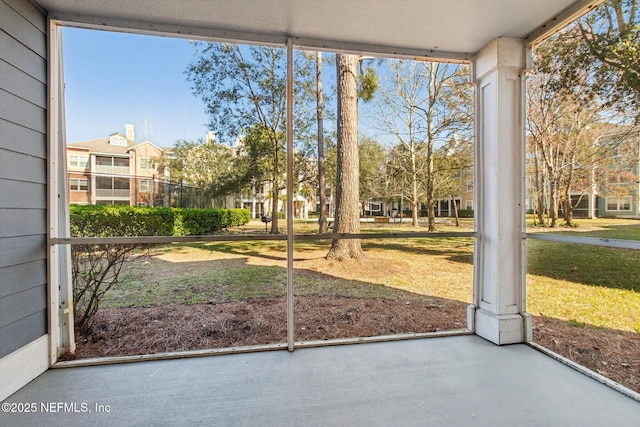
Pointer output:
x,y
116,78
112,79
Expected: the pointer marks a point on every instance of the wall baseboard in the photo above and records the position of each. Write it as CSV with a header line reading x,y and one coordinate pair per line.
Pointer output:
x,y
23,365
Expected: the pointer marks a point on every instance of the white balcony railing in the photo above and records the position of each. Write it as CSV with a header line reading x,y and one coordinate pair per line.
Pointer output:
x,y
115,170
109,192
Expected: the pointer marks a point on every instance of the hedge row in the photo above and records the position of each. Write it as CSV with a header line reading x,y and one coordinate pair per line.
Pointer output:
x,y
124,220
465,213
202,221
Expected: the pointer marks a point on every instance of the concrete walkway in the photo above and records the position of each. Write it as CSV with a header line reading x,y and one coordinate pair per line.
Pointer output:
x,y
454,381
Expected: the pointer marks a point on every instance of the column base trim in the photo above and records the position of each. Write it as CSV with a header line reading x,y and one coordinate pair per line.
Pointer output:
x,y
499,329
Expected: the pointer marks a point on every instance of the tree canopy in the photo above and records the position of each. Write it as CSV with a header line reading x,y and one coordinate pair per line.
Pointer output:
x,y
584,90
373,170
244,92
602,48
203,165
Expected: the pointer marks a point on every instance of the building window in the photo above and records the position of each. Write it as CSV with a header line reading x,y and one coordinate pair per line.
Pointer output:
x,y
112,165
144,185
118,140
110,187
374,207
470,185
78,161
120,162
79,184
147,163
620,177
619,203
104,161
468,205
121,183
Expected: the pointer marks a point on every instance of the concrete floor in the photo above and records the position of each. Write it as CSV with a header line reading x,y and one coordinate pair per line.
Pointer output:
x,y
454,381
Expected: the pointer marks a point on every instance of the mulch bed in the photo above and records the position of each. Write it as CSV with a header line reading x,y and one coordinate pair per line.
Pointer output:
x,y
135,331
613,354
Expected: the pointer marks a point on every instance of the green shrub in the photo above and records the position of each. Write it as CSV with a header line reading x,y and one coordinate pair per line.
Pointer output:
x,y
203,221
95,269
465,213
119,220
124,220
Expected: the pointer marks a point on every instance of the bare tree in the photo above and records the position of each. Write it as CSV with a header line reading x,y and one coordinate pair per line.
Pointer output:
x,y
423,104
565,124
454,162
373,171
95,269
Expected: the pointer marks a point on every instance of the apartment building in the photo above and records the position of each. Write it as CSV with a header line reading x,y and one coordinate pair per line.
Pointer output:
x,y
116,170
618,192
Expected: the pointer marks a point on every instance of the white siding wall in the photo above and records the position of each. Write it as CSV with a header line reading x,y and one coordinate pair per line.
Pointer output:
x,y
23,174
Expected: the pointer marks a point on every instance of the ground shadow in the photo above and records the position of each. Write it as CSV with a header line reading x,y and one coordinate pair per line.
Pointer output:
x,y
462,255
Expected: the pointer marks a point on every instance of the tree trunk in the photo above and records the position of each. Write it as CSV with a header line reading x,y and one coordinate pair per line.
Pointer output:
x,y
414,189
322,181
455,211
274,208
539,187
593,189
430,192
553,208
568,210
540,207
347,218
433,94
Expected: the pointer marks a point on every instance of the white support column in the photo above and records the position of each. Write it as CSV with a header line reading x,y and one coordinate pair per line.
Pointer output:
x,y
290,195
498,311
61,332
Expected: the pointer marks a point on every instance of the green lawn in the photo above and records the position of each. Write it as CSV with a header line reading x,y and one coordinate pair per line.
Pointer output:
x,y
582,284
587,284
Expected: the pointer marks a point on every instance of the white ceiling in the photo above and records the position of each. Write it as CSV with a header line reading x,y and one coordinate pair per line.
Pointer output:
x,y
431,28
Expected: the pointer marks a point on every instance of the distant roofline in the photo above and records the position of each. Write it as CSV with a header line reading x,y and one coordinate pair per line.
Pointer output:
x,y
133,147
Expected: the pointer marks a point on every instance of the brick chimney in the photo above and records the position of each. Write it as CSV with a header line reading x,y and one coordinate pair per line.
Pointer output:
x,y
130,132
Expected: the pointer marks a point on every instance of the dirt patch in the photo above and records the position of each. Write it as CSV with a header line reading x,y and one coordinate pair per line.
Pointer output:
x,y
134,331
